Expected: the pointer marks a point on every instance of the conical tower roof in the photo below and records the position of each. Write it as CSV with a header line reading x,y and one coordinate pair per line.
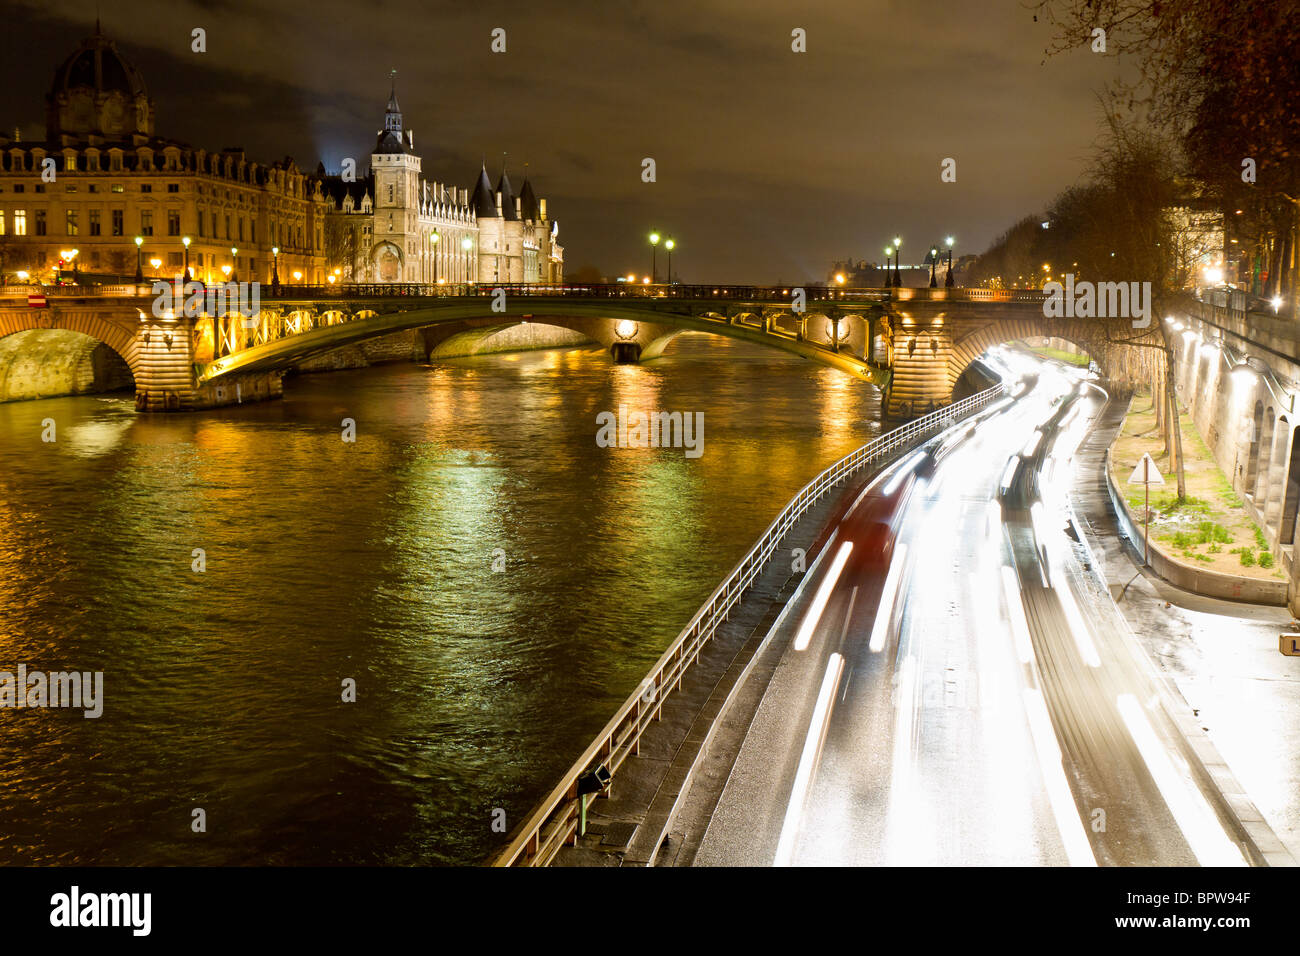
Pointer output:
x,y
483,201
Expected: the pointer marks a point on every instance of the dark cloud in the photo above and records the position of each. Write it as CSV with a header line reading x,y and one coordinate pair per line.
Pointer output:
x,y
770,163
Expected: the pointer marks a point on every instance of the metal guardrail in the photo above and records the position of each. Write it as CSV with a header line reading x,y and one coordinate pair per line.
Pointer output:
x,y
554,821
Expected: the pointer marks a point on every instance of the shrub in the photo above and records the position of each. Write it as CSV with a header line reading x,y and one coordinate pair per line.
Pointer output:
x,y
1247,558
1266,559
1260,541
1215,549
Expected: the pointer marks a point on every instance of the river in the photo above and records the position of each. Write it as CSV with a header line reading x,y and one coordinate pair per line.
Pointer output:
x,y
494,582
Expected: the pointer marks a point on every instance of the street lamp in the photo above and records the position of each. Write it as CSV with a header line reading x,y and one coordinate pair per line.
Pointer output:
x,y
889,254
668,244
934,260
947,280
186,241
157,264
898,262
139,262
654,248
234,264
297,276
275,270
226,270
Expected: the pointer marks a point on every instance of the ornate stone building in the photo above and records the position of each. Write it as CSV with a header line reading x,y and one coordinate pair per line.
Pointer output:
x,y
396,226
110,178
103,178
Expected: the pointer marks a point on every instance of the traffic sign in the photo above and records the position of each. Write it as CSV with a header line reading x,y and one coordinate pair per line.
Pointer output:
x,y
1289,644
1146,472
36,300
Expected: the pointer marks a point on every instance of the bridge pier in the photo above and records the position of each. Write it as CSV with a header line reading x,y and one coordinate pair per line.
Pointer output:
x,y
922,380
165,363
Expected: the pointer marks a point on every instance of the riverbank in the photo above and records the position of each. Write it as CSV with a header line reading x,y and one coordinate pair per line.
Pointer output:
x,y
1210,529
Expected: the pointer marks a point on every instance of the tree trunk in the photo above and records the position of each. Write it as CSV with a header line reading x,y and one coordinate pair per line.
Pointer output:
x,y
1177,457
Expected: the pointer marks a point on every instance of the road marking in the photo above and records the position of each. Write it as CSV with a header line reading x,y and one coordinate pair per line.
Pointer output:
x,y
812,747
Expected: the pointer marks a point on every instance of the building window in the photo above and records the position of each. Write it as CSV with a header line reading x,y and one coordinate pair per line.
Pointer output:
x,y
177,259
40,222
19,187
252,231
146,222
118,222
94,222
70,164
241,228
115,166
173,222
2,222
20,222
69,189
146,188
228,233
93,187
116,189
200,223
40,187
70,222
214,225
173,187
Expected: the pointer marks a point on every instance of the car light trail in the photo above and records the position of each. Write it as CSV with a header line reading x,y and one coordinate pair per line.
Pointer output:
x,y
1016,611
1200,825
812,747
885,611
814,615
1068,822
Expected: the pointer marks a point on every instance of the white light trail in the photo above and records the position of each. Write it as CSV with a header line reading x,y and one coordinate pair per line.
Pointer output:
x,y
812,747
885,611
1204,833
1068,822
1016,610
818,606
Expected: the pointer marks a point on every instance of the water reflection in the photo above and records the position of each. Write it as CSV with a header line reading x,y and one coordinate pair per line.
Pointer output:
x,y
371,560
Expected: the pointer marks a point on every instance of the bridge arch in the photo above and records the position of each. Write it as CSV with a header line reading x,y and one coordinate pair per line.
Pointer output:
x,y
966,349
77,354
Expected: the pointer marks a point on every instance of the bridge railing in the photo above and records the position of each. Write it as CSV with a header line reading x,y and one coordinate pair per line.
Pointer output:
x,y
554,821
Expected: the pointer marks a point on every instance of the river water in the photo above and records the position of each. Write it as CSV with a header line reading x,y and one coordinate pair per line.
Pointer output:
x,y
373,560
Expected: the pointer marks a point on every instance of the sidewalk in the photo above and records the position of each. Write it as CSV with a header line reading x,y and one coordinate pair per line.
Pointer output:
x,y
1220,656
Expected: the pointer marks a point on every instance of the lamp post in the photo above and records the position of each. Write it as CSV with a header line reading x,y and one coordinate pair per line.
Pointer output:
x,y
889,254
947,279
186,242
157,264
234,264
669,244
898,262
275,270
139,260
934,260
654,249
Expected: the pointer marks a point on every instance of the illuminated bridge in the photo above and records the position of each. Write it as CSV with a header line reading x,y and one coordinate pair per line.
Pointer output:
x,y
912,343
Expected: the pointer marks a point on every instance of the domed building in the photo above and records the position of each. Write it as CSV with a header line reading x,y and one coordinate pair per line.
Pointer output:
x,y
103,177
98,95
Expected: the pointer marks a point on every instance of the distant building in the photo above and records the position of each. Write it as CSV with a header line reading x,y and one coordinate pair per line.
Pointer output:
x,y
110,178
395,226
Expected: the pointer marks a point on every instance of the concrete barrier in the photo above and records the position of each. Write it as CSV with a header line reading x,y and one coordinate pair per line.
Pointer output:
x,y
1216,584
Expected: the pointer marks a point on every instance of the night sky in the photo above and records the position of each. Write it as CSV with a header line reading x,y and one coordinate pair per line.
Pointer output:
x,y
771,164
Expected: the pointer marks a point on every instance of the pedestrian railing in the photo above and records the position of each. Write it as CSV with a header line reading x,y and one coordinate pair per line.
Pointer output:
x,y
554,822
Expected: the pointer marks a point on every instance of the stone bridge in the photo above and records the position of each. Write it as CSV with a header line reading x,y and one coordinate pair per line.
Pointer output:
x,y
912,343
